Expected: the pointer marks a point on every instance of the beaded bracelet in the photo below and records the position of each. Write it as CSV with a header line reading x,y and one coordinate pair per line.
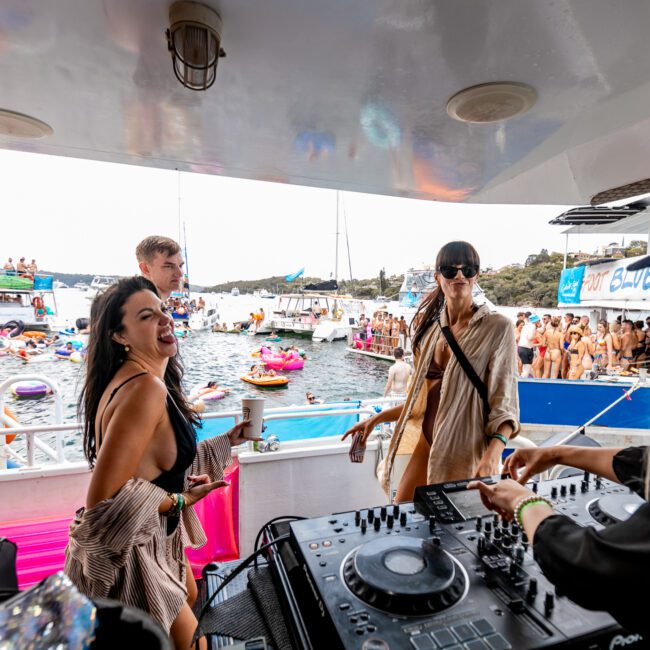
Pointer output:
x,y
178,503
499,436
524,502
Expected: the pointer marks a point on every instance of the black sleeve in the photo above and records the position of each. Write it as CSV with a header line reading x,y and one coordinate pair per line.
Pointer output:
x,y
630,466
596,569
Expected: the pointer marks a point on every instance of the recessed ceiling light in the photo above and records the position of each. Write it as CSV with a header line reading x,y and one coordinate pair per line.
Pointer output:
x,y
17,125
491,102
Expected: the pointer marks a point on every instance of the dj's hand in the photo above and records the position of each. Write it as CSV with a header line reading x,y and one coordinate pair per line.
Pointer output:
x,y
502,497
534,461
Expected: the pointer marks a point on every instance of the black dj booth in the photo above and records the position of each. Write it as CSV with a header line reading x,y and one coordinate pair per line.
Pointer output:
x,y
440,573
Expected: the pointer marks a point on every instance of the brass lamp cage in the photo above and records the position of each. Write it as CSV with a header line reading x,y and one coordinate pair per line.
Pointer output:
x,y
194,41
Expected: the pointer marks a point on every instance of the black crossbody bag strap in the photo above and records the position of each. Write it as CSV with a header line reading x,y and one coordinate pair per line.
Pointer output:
x,y
479,384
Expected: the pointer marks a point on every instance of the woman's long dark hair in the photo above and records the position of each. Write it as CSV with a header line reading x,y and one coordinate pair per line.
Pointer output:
x,y
455,252
106,356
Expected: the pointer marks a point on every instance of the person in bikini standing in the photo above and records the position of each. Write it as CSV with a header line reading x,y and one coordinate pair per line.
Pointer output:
x,y
554,342
576,351
604,347
628,344
445,427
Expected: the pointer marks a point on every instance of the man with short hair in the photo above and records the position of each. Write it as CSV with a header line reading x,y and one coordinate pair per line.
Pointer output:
x,y
161,262
628,343
398,375
21,267
525,347
9,267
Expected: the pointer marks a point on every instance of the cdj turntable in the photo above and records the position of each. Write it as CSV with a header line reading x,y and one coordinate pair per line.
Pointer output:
x,y
440,573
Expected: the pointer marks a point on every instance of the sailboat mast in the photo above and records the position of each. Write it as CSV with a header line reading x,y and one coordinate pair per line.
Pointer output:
x,y
336,255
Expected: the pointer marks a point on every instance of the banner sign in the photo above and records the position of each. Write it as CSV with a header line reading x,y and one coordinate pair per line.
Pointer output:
x,y
568,290
612,281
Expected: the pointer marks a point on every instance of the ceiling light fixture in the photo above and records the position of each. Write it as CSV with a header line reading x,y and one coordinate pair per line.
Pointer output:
x,y
17,125
194,40
491,102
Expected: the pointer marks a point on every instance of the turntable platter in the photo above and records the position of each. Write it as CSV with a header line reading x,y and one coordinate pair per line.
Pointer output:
x,y
613,508
404,576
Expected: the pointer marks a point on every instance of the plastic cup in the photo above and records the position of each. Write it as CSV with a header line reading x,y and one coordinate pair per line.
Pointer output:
x,y
252,408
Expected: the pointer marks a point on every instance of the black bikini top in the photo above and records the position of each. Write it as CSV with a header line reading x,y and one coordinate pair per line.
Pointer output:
x,y
172,479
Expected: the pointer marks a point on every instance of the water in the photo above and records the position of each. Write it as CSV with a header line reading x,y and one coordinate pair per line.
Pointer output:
x,y
330,372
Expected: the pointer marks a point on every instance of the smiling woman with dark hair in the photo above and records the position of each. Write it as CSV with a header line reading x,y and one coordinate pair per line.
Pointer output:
x,y
462,404
148,470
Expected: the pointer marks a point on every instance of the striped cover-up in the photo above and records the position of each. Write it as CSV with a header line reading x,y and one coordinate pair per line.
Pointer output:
x,y
120,549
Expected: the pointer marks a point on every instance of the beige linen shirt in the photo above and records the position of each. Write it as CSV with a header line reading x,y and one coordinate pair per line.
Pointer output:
x,y
460,430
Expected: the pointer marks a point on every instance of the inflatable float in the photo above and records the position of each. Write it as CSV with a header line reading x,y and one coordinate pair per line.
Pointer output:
x,y
30,389
283,361
273,339
204,392
266,382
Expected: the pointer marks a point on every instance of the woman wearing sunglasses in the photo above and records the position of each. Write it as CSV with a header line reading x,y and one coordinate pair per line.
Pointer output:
x,y
446,426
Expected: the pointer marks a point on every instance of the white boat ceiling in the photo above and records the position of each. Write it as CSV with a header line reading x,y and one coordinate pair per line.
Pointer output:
x,y
347,94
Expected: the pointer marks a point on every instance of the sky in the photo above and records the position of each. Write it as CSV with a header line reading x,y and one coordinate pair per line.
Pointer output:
x,y
78,216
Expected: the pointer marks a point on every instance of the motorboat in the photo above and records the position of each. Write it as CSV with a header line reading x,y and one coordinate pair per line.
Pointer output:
x,y
205,318
28,301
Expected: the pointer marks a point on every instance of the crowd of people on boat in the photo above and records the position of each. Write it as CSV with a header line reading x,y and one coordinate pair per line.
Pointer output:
x,y
382,333
566,346
21,268
181,308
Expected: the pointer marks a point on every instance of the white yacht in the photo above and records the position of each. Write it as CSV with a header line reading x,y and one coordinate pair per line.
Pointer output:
x,y
321,316
205,318
26,303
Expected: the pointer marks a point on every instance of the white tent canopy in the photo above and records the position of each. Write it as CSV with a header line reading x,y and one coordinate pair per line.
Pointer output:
x,y
637,224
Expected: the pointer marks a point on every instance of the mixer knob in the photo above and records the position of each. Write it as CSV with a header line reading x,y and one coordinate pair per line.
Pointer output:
x,y
519,554
371,515
562,490
402,518
495,520
382,513
535,487
377,523
514,529
584,486
587,477
532,590
488,526
549,603
513,571
481,545
497,534
396,511
432,523
599,482
435,540
479,523
357,517
389,521
572,488
364,525
554,492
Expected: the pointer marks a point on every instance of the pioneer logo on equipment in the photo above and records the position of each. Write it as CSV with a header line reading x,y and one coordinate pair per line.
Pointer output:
x,y
620,641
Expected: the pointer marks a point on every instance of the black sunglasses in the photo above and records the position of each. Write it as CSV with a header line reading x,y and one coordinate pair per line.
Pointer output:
x,y
450,272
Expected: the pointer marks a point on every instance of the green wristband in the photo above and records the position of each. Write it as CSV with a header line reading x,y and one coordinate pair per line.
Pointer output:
x,y
499,436
529,501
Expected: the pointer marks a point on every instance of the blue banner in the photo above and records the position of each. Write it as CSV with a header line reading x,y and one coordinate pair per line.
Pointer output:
x,y
43,283
568,290
293,276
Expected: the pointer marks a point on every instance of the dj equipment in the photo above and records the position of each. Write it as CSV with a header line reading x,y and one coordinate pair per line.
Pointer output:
x,y
442,572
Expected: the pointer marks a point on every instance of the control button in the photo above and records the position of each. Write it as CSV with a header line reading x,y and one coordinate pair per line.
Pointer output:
x,y
330,578
463,632
448,486
353,619
342,540
477,644
497,642
313,546
444,638
482,627
549,603
344,607
338,530
322,563
360,631
333,521
327,543
370,628
375,644
422,642
363,616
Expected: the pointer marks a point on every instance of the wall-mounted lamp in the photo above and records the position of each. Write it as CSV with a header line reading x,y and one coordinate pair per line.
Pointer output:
x,y
194,40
